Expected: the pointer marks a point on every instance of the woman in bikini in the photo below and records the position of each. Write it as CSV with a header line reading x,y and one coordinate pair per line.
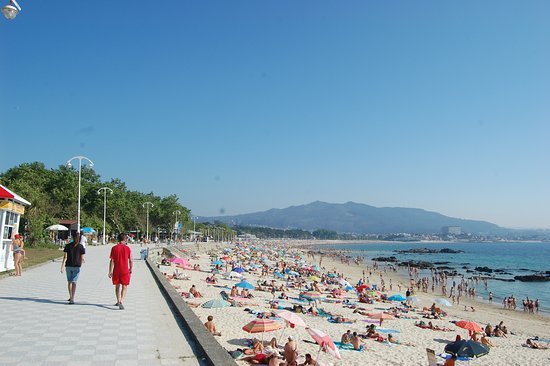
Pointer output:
x,y
18,253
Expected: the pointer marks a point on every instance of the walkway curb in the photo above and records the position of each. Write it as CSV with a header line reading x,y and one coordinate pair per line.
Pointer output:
x,y
215,354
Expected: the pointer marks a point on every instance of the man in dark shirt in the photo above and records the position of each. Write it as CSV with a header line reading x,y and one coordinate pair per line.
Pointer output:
x,y
72,261
120,268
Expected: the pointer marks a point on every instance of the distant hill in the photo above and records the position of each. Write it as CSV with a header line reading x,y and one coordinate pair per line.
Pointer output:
x,y
357,218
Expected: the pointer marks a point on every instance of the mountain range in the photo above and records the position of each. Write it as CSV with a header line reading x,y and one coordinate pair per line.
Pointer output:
x,y
351,217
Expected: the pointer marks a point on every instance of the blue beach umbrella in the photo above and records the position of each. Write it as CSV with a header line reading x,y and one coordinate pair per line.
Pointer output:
x,y
218,263
293,273
246,285
279,275
217,303
238,270
87,230
316,268
397,297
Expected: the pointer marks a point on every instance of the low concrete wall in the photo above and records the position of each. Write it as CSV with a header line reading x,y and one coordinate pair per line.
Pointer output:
x,y
215,354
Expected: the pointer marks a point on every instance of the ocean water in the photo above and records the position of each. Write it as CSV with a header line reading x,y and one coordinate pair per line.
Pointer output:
x,y
515,258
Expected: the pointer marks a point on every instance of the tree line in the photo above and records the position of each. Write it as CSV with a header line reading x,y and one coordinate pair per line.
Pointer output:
x,y
54,195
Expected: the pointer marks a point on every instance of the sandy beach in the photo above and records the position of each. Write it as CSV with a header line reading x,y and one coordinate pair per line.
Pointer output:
x,y
230,320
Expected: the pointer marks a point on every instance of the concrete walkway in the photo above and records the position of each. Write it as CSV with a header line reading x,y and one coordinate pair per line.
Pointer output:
x,y
40,328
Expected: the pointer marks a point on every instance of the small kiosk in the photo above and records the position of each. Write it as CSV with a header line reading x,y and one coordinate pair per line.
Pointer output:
x,y
12,206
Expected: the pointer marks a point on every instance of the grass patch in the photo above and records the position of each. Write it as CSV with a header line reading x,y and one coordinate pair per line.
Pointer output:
x,y
39,255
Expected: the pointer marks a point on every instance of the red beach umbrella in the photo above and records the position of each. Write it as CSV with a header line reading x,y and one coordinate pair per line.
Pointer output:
x,y
469,326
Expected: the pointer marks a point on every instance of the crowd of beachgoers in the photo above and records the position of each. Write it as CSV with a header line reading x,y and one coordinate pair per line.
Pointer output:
x,y
275,303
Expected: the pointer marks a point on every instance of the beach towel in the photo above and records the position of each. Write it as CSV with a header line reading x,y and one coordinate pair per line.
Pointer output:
x,y
346,346
382,330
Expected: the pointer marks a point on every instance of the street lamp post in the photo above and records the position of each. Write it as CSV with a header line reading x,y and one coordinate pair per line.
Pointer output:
x,y
90,164
177,212
147,205
194,218
104,189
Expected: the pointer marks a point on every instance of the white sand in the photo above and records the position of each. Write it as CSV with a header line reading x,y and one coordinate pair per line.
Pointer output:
x,y
507,351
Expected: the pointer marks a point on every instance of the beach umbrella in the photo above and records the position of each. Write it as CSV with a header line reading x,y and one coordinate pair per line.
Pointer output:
x,y
397,297
278,275
325,342
291,317
311,295
178,260
469,326
235,274
216,303
362,287
332,275
218,263
316,268
262,326
87,230
313,278
238,270
56,227
466,348
293,273
246,285
441,301
381,316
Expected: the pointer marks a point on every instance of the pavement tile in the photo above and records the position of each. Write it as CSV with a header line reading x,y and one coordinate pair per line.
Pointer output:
x,y
93,331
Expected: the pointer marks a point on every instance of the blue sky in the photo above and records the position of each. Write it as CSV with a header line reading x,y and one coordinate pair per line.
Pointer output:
x,y
242,106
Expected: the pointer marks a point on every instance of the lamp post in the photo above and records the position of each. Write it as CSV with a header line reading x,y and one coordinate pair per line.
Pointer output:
x,y
147,205
194,218
177,212
90,164
104,189
11,10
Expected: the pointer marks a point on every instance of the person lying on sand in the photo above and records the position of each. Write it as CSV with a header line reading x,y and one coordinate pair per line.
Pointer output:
x,y
341,319
393,340
536,345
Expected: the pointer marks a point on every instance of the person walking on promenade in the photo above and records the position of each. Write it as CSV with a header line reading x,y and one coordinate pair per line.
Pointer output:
x,y
120,268
73,258
18,253
83,239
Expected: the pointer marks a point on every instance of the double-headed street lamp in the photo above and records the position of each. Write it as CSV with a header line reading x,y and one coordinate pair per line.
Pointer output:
x,y
104,189
147,205
90,164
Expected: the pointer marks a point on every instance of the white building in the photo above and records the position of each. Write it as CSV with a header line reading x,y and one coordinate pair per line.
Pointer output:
x,y
12,206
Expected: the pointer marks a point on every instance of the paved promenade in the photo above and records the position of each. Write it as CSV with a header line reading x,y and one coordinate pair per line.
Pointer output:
x,y
40,328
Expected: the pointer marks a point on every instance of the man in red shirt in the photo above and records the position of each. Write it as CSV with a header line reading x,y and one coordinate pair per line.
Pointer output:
x,y
120,268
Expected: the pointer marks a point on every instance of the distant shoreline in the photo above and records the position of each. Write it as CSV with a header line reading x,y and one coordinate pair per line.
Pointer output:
x,y
353,242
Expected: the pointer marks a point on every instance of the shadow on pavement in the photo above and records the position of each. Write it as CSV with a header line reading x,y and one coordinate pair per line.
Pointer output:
x,y
48,301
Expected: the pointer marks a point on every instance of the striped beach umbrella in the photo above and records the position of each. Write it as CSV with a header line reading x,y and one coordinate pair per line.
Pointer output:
x,y
262,326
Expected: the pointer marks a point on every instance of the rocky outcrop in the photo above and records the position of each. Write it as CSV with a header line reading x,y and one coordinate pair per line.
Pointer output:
x,y
533,278
428,251
417,264
484,269
385,259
